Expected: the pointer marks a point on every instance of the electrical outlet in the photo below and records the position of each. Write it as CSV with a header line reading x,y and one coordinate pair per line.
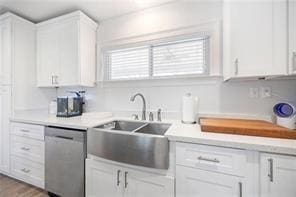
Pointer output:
x,y
265,92
253,92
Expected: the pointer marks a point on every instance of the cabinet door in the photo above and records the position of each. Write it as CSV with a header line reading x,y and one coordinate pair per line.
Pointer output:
x,y
5,109
103,180
68,70
292,36
254,38
5,52
200,183
277,175
140,184
48,57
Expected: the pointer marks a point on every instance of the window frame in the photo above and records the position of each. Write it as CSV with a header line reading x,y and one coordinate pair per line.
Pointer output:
x,y
106,66
211,28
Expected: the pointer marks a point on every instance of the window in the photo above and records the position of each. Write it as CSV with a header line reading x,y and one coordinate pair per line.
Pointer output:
x,y
170,59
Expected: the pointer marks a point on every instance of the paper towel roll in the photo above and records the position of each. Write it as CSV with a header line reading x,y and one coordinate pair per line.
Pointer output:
x,y
189,109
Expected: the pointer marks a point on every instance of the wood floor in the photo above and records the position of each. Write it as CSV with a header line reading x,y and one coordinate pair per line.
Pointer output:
x,y
12,188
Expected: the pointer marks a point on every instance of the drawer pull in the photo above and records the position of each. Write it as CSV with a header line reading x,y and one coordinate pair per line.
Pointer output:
x,y
25,148
125,179
208,159
240,185
26,170
25,130
118,177
270,175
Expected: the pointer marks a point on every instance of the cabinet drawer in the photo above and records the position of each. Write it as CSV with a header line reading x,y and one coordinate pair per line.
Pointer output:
x,y
27,148
27,171
28,130
196,183
211,158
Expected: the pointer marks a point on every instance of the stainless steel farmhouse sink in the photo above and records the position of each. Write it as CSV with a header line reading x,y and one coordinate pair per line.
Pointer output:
x,y
121,125
154,129
137,143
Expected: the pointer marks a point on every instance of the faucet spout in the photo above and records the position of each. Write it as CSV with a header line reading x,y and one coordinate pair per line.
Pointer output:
x,y
144,104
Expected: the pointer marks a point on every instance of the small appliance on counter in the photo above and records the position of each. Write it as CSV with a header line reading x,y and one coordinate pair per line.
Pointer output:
x,y
285,115
69,106
189,109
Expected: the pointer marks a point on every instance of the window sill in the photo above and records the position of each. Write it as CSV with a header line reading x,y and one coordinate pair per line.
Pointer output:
x,y
176,81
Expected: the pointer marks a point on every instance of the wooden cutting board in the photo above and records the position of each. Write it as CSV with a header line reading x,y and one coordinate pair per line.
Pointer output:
x,y
246,127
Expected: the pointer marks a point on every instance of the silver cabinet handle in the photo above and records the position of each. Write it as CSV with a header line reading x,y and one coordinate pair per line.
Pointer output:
x,y
25,130
25,170
56,79
270,175
236,66
208,159
25,148
118,177
125,179
240,187
294,61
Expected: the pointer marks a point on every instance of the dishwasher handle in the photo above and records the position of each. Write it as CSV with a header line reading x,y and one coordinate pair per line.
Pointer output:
x,y
64,137
65,134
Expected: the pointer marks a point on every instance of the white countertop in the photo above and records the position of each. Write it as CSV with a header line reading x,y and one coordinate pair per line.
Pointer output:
x,y
192,134
177,132
87,120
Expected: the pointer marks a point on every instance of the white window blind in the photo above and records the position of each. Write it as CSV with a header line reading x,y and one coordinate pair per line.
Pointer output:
x,y
181,57
132,63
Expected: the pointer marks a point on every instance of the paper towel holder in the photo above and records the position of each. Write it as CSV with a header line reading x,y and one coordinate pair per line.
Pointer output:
x,y
189,109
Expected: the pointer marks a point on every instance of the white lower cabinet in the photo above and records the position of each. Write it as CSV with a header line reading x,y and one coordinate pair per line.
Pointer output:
x,y
108,180
27,153
140,184
277,175
27,171
200,183
102,179
209,171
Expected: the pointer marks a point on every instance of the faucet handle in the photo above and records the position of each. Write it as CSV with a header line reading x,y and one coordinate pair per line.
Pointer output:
x,y
151,116
159,115
135,116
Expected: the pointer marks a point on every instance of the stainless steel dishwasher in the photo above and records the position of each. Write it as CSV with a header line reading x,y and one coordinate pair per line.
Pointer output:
x,y
65,153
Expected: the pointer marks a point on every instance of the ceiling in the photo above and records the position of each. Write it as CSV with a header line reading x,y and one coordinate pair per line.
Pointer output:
x,y
40,10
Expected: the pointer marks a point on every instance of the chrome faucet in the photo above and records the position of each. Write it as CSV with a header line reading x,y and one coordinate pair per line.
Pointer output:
x,y
144,104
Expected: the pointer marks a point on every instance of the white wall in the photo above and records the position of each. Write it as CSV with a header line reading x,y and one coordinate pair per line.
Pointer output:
x,y
215,95
170,16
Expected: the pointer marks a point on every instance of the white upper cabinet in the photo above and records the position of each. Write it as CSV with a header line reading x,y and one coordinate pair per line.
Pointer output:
x,y
66,51
5,51
17,61
292,36
277,175
255,38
